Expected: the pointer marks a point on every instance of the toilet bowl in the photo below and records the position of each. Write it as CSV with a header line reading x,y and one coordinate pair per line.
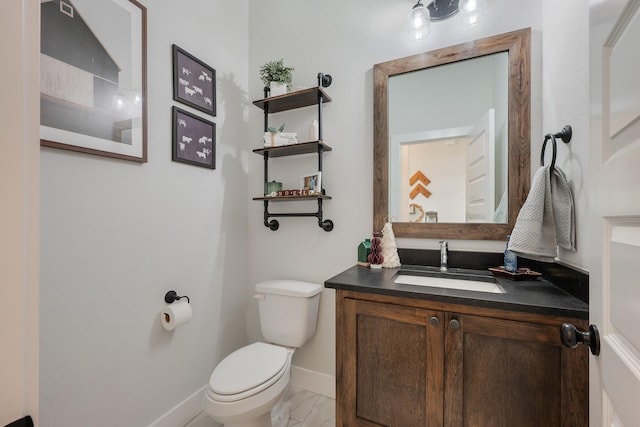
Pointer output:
x,y
247,384
251,381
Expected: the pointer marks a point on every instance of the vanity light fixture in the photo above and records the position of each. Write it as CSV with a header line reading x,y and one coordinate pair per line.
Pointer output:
x,y
472,11
418,22
443,9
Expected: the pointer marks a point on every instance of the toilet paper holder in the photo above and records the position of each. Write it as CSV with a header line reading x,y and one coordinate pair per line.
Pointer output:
x,y
172,296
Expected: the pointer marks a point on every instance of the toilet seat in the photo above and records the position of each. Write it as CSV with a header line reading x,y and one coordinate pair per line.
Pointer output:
x,y
248,371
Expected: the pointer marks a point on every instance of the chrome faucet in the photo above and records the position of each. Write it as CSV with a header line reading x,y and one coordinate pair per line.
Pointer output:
x,y
443,255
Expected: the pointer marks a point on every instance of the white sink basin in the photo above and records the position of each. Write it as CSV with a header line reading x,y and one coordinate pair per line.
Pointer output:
x,y
447,283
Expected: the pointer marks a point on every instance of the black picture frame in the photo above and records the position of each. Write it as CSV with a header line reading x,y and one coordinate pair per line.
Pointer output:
x,y
93,96
194,139
194,82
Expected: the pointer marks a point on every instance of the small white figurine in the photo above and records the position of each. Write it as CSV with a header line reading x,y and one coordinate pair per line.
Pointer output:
x,y
389,248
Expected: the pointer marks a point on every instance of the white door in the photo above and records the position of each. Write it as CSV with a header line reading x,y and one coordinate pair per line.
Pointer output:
x,y
615,213
481,170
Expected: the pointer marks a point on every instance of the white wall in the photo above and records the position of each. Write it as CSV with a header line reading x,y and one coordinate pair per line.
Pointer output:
x,y
19,192
117,235
565,79
346,39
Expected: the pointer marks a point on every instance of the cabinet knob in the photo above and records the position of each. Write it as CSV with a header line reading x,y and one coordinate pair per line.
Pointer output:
x,y
571,337
434,321
454,324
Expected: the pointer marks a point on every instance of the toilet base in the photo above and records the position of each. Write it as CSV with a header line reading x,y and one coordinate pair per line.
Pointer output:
x,y
278,417
263,420
280,414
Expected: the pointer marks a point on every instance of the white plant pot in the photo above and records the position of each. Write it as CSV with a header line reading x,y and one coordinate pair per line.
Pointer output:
x,y
277,88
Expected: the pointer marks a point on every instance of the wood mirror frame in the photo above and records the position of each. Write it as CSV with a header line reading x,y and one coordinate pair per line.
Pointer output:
x,y
518,46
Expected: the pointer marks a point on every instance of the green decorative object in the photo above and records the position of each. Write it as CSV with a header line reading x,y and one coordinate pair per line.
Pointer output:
x,y
275,71
272,188
364,249
274,130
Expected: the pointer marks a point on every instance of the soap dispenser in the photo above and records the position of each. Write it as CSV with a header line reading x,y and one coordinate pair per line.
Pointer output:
x,y
510,259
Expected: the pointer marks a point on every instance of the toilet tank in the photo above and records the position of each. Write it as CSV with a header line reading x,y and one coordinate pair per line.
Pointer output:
x,y
288,311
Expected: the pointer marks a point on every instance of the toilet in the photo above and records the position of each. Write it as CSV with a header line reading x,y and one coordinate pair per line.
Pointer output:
x,y
249,384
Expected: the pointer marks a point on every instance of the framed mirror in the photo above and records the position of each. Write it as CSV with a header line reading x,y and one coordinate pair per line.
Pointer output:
x,y
452,138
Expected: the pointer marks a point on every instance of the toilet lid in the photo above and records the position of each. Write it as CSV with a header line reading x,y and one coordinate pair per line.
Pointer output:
x,y
247,368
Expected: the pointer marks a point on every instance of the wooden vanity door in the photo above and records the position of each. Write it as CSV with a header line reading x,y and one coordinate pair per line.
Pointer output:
x,y
390,365
507,373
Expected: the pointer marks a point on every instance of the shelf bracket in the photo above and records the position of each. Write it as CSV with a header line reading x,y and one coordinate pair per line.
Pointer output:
x,y
273,224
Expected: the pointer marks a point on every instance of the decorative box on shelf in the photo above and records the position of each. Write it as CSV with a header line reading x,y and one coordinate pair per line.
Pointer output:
x,y
279,139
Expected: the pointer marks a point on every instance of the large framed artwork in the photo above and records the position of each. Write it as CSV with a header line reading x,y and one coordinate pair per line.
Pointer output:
x,y
194,82
93,84
194,139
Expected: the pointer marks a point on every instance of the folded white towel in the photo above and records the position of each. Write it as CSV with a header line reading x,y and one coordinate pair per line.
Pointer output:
x,y
546,219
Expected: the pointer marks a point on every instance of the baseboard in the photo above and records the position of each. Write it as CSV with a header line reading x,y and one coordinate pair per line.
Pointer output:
x,y
183,412
315,382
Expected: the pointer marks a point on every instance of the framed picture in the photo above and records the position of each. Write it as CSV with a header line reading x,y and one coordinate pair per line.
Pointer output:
x,y
194,82
93,91
311,184
194,139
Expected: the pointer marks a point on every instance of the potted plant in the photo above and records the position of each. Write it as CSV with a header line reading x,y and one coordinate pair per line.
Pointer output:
x,y
276,76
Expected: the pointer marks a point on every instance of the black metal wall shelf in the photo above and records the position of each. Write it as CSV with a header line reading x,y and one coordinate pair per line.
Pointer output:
x,y
289,198
293,150
293,100
290,101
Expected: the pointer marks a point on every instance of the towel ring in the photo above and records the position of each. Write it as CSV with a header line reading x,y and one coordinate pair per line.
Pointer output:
x,y
565,135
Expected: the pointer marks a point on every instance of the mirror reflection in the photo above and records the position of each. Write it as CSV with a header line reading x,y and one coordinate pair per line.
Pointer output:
x,y
448,135
452,133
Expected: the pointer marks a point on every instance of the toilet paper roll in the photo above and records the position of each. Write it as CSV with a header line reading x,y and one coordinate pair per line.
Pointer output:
x,y
175,314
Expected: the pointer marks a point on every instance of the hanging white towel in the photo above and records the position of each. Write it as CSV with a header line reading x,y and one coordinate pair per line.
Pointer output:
x,y
534,234
563,210
546,219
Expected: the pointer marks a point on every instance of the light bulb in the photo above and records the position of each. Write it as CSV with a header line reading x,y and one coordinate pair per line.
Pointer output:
x,y
418,23
471,11
118,102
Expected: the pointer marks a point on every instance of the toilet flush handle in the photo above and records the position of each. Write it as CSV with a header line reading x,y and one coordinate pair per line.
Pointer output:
x,y
258,296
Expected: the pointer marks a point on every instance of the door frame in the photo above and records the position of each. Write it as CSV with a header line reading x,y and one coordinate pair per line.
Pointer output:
x,y
20,209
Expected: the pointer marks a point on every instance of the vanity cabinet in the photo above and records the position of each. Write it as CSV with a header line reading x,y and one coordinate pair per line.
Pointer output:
x,y
315,96
407,362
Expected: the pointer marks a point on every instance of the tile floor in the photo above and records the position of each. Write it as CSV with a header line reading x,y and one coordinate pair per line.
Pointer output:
x,y
306,410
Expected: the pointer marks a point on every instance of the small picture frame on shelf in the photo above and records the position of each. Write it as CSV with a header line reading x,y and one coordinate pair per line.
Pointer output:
x,y
311,183
194,139
194,82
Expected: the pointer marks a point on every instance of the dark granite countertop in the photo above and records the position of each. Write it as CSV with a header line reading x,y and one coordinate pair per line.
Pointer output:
x,y
531,296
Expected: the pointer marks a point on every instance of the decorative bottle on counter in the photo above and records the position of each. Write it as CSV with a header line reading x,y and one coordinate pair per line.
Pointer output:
x,y
375,257
510,259
364,249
